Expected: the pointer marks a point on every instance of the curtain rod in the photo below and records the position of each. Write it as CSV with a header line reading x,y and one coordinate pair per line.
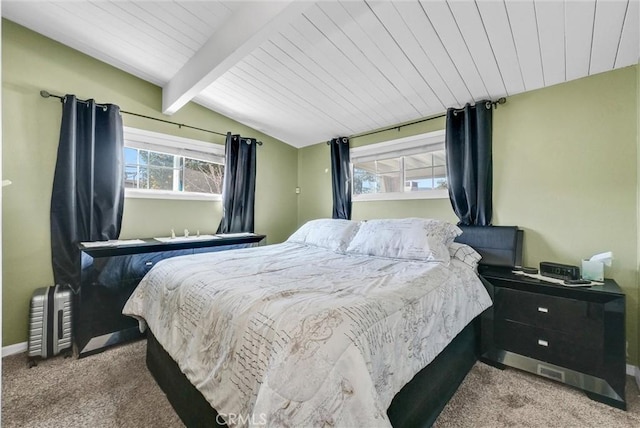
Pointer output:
x,y
500,100
46,94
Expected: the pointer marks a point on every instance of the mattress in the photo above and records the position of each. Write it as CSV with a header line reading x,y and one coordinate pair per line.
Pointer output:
x,y
298,335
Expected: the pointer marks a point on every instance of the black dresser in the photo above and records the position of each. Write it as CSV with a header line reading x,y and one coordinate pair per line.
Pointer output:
x,y
110,273
574,335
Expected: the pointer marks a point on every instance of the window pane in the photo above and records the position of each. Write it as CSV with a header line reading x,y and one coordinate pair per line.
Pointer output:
x,y
143,158
201,176
389,182
441,183
130,167
388,165
130,156
142,177
366,166
425,171
418,172
161,178
418,179
160,159
131,176
418,161
440,177
439,158
380,176
440,171
364,181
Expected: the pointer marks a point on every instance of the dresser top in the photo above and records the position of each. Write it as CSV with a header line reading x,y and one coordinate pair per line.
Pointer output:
x,y
147,245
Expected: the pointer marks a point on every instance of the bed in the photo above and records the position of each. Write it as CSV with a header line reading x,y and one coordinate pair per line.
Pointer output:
x,y
344,324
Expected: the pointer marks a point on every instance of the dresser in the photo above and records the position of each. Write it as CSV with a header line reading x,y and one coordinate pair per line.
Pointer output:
x,y
108,275
574,335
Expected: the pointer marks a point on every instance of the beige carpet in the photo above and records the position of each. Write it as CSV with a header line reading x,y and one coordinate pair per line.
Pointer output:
x,y
490,397
114,389
110,389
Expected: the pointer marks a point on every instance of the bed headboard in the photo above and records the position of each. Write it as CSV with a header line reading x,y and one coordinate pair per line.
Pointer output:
x,y
498,245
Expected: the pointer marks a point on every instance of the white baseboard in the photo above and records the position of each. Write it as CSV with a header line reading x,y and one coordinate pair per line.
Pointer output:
x,y
14,349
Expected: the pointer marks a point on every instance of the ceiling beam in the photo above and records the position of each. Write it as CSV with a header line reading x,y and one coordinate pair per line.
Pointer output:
x,y
246,28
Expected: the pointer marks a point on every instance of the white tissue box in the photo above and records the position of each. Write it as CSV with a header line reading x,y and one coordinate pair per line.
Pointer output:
x,y
593,270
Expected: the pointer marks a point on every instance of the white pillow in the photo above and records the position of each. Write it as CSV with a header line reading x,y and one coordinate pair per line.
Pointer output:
x,y
465,254
407,238
334,234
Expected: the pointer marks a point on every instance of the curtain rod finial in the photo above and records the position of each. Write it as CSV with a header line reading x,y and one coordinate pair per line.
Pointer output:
x,y
44,94
495,104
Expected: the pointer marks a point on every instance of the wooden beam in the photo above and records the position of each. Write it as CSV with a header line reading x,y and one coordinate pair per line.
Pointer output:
x,y
248,26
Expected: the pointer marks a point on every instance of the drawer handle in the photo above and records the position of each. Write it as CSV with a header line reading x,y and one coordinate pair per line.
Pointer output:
x,y
148,263
543,342
543,310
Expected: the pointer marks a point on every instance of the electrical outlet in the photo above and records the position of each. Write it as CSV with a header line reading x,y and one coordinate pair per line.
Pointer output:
x,y
297,190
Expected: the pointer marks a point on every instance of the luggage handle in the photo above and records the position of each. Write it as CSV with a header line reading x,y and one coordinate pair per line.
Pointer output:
x,y
60,331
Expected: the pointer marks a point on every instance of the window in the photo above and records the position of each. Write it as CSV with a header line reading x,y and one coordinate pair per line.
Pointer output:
x,y
167,167
406,168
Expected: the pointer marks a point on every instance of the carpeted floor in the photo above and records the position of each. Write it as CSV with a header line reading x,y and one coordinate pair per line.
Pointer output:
x,y
114,389
494,398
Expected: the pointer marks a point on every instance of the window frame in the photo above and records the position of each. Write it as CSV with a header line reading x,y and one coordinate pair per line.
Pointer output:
x,y
394,148
142,139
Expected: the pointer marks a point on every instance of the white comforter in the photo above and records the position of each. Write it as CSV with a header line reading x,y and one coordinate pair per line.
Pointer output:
x,y
293,335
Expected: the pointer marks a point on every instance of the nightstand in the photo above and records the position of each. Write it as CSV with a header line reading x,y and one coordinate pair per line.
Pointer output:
x,y
574,335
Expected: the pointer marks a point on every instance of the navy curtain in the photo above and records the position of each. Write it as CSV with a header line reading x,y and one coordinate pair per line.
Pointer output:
x,y
238,185
341,178
88,184
469,163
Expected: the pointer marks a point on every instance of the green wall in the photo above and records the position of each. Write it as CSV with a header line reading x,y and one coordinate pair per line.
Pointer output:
x,y
565,171
31,125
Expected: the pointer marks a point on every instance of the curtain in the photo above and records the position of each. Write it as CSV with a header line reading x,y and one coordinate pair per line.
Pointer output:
x,y
341,178
238,185
88,185
469,162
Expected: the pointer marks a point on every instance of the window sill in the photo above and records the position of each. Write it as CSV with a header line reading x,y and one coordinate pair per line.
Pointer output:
x,y
427,194
167,194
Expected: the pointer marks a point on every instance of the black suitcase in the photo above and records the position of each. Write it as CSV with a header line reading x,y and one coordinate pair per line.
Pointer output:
x,y
49,323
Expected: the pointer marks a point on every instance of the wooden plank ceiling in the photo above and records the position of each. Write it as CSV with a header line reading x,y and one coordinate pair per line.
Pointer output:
x,y
305,72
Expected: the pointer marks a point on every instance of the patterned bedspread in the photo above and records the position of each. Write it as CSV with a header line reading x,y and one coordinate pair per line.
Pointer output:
x,y
294,335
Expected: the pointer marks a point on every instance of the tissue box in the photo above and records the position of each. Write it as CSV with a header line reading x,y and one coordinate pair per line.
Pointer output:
x,y
593,270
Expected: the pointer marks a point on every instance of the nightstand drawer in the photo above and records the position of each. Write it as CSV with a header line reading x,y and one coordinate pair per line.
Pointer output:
x,y
576,317
551,346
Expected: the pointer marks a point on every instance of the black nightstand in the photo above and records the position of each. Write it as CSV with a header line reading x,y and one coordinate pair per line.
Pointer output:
x,y
574,335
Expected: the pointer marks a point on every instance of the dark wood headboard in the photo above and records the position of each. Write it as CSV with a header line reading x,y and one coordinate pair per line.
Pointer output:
x,y
498,245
